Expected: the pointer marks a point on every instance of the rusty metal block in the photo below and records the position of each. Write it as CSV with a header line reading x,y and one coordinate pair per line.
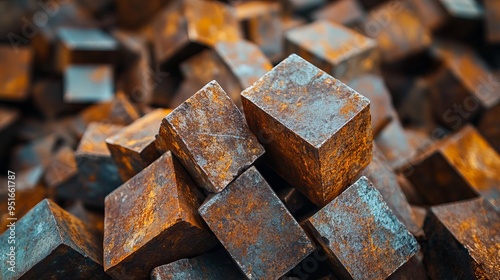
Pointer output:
x,y
151,220
92,218
401,36
488,126
133,148
337,50
52,244
29,191
358,231
85,46
463,241
210,137
316,130
88,83
492,13
187,27
460,167
394,144
373,88
211,266
234,65
345,12
61,175
48,98
420,214
386,182
15,74
269,242
261,24
134,13
463,88
96,169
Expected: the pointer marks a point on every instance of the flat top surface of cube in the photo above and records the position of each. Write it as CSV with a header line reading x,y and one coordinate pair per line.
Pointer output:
x,y
215,133
255,227
330,41
90,39
476,225
94,139
305,99
141,209
141,132
88,83
363,232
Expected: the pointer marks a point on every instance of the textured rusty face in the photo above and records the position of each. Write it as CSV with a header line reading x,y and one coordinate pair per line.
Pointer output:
x,y
316,130
373,88
335,49
401,36
386,182
463,240
151,214
133,148
211,266
52,243
193,25
359,231
460,167
96,169
209,135
268,241
15,75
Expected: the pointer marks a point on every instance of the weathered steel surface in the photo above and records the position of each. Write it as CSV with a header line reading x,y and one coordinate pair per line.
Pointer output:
x,y
152,220
459,167
464,88
133,148
211,266
15,73
361,235
187,27
346,12
489,128
61,175
52,244
88,83
316,130
269,242
373,88
211,138
386,182
337,50
96,169
85,46
463,241
400,37
492,12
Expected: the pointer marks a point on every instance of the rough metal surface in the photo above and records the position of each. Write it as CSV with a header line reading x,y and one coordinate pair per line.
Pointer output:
x,y
361,235
96,169
211,266
186,27
463,241
460,167
337,50
133,148
52,244
401,36
88,83
15,75
386,182
316,130
373,88
152,220
211,138
268,241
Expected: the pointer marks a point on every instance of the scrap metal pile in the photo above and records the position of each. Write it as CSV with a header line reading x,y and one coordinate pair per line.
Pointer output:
x,y
292,139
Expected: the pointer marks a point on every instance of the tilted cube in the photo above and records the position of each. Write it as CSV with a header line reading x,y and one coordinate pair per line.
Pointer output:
x,y
133,148
151,220
210,137
361,235
316,130
269,242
